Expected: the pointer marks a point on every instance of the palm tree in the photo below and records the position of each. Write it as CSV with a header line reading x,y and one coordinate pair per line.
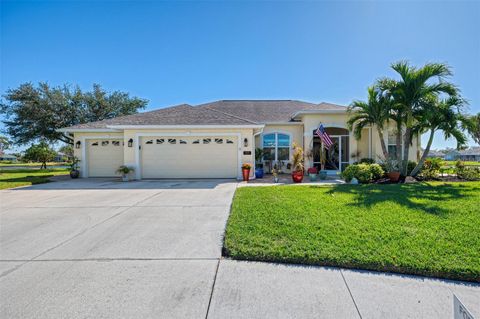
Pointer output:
x,y
414,86
438,115
471,123
376,111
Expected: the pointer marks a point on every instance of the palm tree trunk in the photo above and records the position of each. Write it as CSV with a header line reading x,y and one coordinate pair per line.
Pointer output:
x,y
406,150
382,143
424,155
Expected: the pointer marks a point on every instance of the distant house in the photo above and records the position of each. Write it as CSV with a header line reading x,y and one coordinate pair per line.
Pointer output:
x,y
435,153
8,157
451,155
60,157
470,154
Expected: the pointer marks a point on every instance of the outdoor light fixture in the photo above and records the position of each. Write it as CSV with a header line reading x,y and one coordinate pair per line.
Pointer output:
x,y
245,142
77,145
130,142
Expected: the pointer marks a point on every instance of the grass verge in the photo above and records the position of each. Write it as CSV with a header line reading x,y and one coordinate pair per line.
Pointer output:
x,y
425,229
21,177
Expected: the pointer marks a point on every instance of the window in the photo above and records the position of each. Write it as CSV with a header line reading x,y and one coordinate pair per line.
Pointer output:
x,y
95,144
149,142
276,147
196,141
105,143
172,141
229,141
183,142
219,140
207,140
392,144
116,143
160,140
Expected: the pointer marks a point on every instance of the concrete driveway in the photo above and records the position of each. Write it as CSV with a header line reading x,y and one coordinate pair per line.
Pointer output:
x,y
152,249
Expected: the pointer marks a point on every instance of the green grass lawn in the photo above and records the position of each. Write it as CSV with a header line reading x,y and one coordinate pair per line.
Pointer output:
x,y
32,164
21,177
427,229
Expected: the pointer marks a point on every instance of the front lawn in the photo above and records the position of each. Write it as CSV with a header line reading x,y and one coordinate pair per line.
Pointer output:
x,y
21,177
427,229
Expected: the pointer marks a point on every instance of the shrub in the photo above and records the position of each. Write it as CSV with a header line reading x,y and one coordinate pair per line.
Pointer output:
x,y
410,166
367,161
365,173
377,171
468,173
431,168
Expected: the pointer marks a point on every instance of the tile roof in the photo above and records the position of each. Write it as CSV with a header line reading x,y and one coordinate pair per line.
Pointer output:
x,y
224,112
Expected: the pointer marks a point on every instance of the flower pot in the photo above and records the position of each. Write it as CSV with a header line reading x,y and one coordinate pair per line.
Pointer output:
x,y
394,176
246,174
313,177
297,176
275,179
322,175
125,177
74,173
259,173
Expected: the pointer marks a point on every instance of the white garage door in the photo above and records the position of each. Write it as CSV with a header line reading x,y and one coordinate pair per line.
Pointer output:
x,y
104,157
189,157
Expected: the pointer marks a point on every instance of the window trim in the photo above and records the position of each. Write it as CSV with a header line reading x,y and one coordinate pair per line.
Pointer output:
x,y
276,143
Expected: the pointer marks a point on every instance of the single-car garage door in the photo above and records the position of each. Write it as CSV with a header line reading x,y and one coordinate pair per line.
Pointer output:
x,y
189,157
104,157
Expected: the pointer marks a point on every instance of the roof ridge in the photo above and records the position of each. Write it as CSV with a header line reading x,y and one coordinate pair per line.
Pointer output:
x,y
228,114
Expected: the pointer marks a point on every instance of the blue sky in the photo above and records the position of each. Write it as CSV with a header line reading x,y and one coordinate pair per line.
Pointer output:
x,y
194,52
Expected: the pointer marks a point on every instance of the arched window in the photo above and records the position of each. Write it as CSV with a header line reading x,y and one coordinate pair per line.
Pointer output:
x,y
276,147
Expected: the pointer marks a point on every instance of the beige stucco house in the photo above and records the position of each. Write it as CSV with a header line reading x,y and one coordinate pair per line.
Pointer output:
x,y
213,140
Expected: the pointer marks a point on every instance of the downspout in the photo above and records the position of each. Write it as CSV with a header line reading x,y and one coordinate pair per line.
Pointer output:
x,y
254,149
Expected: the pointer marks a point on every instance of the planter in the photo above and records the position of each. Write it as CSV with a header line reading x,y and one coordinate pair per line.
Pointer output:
x,y
125,178
313,177
74,173
394,176
323,175
246,174
259,173
275,179
297,176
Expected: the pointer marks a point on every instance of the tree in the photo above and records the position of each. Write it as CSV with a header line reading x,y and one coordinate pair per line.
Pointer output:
x,y
408,93
67,150
376,111
40,152
34,113
4,144
438,115
472,125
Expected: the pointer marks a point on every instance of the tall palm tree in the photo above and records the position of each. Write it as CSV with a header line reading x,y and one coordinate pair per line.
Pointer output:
x,y
414,86
376,111
438,115
471,123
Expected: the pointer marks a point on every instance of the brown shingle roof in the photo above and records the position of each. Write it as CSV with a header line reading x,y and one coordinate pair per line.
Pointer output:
x,y
225,112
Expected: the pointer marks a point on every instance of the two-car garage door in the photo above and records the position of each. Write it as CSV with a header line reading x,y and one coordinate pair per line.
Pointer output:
x,y
189,157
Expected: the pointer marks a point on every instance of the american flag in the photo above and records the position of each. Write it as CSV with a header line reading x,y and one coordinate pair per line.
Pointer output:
x,y
327,141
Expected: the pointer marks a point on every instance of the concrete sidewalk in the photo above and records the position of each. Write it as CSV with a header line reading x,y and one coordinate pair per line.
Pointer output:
x,y
99,248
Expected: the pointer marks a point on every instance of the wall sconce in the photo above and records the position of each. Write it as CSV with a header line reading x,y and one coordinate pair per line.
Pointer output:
x,y
245,142
77,145
130,142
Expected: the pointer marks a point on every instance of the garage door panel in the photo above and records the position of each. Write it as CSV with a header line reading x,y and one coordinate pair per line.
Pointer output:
x,y
211,157
104,157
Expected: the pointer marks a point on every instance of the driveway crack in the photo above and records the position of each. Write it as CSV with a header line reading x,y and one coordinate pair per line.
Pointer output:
x,y
351,295
213,287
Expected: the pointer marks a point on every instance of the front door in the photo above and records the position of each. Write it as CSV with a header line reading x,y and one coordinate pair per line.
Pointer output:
x,y
336,157
332,155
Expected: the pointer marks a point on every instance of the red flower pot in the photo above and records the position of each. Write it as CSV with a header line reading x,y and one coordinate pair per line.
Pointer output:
x,y
297,176
394,176
246,174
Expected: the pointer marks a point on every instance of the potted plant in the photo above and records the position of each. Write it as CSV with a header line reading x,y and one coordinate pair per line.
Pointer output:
x,y
246,171
312,174
125,170
258,163
275,174
297,164
74,172
392,168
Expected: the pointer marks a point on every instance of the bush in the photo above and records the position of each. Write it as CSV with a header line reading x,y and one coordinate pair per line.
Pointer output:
x,y
365,173
367,161
410,166
377,171
468,173
431,168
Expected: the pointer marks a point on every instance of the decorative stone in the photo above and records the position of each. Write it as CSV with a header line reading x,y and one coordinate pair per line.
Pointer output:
x,y
410,180
354,181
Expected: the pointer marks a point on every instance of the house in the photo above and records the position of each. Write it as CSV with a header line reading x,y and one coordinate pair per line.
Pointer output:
x,y
470,154
451,154
8,157
213,140
434,153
